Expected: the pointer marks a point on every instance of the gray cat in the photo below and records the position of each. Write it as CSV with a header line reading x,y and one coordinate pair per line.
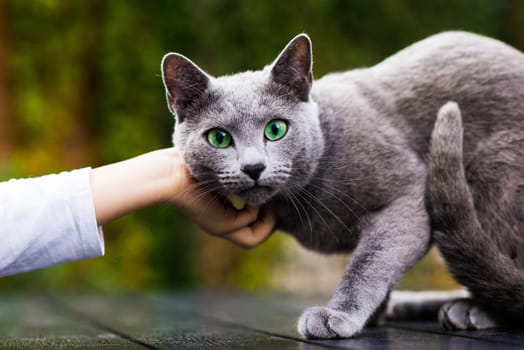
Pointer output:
x,y
374,161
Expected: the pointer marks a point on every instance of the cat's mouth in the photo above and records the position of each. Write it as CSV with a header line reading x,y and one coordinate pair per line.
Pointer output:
x,y
257,194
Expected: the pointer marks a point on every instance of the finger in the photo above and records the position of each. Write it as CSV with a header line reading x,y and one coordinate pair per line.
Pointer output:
x,y
255,234
231,219
264,226
213,215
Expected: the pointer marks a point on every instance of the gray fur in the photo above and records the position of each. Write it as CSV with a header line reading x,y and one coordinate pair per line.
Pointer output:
x,y
350,174
464,314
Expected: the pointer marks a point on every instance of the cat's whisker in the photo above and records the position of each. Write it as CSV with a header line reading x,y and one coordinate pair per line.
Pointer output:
x,y
215,198
305,212
206,191
346,180
211,203
328,184
320,188
290,199
334,188
290,196
302,199
308,194
199,186
202,195
335,216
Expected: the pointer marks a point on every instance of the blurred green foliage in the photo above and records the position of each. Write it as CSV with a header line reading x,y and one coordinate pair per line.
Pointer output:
x,y
84,85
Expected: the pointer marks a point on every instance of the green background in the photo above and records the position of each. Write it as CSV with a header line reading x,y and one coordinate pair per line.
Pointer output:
x,y
80,86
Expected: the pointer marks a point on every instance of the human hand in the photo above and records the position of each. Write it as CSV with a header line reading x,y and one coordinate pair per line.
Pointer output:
x,y
162,177
246,228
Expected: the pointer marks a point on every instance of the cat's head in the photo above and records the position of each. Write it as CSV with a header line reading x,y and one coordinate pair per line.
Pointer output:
x,y
252,134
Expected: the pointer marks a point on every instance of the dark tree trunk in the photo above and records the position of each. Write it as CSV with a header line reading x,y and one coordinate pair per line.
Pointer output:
x,y
79,150
6,118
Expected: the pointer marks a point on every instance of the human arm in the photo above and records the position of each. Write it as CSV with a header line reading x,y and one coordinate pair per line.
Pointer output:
x,y
53,219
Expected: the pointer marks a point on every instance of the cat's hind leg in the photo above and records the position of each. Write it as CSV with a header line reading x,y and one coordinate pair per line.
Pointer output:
x,y
476,213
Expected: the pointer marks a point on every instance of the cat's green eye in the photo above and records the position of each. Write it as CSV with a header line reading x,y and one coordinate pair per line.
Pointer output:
x,y
275,129
219,138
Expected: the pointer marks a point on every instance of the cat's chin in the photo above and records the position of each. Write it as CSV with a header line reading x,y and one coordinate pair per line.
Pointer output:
x,y
257,195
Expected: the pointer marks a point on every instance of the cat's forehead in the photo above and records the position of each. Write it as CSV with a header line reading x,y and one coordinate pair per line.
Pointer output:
x,y
246,95
241,87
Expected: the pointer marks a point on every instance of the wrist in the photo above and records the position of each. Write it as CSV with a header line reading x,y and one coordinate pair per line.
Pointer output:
x,y
135,183
177,181
172,176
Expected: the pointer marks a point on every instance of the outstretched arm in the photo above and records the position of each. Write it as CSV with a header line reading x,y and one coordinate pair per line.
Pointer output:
x,y
51,219
162,177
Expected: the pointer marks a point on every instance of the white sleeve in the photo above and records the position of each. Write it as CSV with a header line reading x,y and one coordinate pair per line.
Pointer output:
x,y
46,221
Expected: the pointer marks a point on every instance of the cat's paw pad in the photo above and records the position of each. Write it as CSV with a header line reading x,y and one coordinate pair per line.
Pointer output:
x,y
465,315
323,322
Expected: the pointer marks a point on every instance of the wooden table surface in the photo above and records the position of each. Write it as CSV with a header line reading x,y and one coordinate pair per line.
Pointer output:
x,y
204,321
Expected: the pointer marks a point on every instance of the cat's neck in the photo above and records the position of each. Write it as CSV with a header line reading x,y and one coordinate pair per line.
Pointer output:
x,y
310,210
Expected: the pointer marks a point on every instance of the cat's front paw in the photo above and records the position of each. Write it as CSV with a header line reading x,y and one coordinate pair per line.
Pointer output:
x,y
323,322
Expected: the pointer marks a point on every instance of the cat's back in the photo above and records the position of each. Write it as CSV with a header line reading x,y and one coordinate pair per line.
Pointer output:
x,y
484,75
436,57
453,48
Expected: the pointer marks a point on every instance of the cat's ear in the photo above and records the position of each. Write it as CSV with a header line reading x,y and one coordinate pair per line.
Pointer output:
x,y
184,82
293,67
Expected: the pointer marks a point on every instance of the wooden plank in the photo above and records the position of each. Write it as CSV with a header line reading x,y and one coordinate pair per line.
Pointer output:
x,y
497,336
160,325
277,315
32,322
206,321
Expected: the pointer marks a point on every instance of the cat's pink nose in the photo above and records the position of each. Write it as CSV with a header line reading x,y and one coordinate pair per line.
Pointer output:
x,y
253,170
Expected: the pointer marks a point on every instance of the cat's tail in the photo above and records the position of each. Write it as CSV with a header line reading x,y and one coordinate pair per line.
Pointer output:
x,y
471,254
